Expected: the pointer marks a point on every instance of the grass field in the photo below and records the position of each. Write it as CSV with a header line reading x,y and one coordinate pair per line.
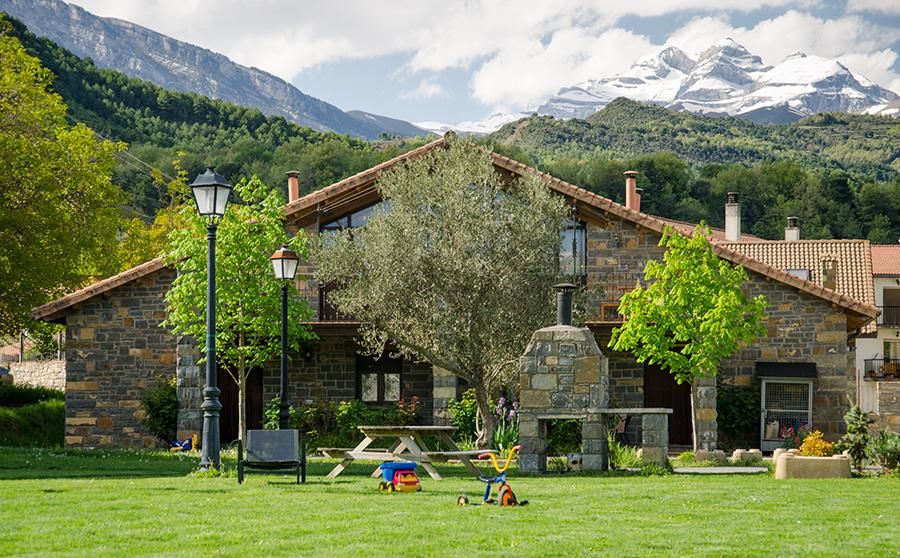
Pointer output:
x,y
147,503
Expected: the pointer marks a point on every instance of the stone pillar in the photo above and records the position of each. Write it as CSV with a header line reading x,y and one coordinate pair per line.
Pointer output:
x,y
705,414
655,438
189,387
444,391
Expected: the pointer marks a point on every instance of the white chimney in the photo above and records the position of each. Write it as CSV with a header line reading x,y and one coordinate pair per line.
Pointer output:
x,y
632,197
732,218
792,231
293,186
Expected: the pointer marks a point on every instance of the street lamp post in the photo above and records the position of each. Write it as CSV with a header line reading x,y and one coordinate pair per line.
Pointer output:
x,y
211,193
284,263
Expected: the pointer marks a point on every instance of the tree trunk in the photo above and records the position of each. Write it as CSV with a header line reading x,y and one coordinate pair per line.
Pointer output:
x,y
483,400
694,420
242,405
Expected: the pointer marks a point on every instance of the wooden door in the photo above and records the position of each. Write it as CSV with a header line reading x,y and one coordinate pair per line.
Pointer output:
x,y
661,390
228,419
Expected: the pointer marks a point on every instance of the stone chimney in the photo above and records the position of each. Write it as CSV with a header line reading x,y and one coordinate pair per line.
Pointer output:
x,y
792,231
293,186
732,218
632,196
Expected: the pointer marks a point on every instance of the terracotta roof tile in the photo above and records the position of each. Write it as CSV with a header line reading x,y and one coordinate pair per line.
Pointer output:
x,y
886,259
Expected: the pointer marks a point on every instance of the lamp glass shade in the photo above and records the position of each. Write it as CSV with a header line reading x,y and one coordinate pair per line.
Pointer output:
x,y
284,263
211,193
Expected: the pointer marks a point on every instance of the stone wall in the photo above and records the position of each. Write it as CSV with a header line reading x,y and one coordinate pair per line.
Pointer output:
x,y
889,404
40,373
115,351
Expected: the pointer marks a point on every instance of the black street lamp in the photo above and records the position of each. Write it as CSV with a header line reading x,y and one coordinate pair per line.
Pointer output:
x,y
211,193
284,263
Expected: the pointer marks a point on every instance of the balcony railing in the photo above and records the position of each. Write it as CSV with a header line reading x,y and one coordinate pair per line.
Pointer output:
x,y
882,367
890,316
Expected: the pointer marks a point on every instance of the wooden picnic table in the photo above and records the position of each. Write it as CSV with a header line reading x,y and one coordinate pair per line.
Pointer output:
x,y
409,445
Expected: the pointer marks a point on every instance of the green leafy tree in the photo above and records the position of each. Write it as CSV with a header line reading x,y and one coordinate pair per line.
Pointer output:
x,y
692,313
248,297
59,210
459,271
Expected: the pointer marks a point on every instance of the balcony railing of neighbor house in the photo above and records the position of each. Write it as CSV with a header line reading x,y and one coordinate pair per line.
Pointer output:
x,y
882,367
890,316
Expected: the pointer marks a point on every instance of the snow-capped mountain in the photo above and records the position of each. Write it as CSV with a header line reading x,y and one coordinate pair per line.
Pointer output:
x,y
473,127
727,79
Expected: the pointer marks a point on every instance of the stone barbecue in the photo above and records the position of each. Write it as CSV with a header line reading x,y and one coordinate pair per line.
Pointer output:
x,y
564,375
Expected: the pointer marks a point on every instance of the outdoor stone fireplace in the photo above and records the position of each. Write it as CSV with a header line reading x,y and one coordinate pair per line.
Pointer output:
x,y
563,375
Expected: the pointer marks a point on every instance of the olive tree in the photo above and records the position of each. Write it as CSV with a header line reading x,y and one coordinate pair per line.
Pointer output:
x,y
692,313
458,272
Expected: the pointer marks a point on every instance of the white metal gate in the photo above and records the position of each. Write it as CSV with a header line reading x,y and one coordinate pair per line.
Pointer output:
x,y
786,404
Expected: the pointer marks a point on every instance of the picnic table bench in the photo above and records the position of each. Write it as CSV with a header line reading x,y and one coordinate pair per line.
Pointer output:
x,y
408,445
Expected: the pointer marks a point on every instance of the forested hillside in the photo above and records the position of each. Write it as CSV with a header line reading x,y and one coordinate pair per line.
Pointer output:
x,y
837,172
161,126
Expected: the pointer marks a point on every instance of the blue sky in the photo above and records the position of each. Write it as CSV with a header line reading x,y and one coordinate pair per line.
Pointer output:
x,y
452,61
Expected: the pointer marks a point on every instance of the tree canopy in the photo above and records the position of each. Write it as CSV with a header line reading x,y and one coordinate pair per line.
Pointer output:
x,y
59,210
458,272
248,297
693,311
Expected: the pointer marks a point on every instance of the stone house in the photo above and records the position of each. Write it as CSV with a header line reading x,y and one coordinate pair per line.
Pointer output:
x,y
116,348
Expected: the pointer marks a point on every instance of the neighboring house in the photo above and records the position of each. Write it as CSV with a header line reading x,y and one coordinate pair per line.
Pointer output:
x,y
116,349
878,350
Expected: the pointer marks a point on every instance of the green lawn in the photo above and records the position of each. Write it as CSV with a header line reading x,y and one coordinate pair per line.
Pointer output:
x,y
125,504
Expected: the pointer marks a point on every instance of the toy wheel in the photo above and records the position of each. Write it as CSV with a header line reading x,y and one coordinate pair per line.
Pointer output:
x,y
382,486
462,501
506,496
419,488
390,487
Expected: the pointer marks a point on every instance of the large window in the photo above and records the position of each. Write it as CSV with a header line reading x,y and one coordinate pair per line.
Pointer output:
x,y
357,218
573,249
378,381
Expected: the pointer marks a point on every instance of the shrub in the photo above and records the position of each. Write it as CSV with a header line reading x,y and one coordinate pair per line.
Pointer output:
x,y
622,456
38,424
814,446
738,418
16,395
506,431
857,438
160,405
463,413
563,436
885,449
333,424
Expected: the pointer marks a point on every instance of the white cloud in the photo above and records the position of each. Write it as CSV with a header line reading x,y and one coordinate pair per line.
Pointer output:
x,y
427,88
528,71
883,6
518,51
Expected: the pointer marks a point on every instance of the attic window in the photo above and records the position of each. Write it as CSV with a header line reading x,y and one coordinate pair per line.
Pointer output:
x,y
801,273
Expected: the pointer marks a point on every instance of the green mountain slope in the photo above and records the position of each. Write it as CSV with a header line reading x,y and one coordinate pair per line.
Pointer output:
x,y
161,126
863,146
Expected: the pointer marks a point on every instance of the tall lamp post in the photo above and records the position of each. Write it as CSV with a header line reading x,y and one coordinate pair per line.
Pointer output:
x,y
284,263
211,193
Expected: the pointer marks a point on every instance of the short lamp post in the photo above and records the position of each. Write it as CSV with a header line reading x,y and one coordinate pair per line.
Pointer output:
x,y
284,263
211,193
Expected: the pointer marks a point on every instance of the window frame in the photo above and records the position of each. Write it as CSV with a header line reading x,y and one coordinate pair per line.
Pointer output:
x,y
381,367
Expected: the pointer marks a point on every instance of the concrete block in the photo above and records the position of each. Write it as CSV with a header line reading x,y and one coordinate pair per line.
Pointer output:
x,y
658,456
